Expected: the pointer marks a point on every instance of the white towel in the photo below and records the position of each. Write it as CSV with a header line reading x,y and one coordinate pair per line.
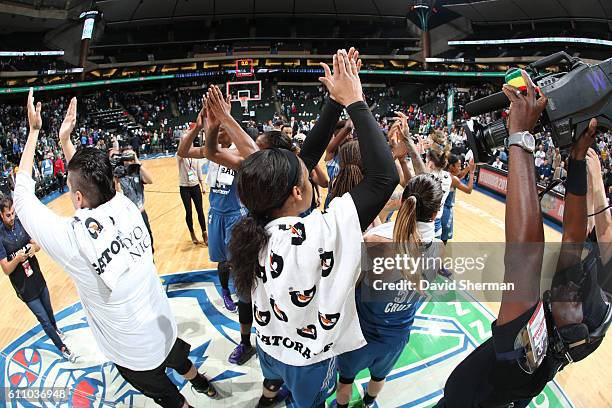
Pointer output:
x,y
100,242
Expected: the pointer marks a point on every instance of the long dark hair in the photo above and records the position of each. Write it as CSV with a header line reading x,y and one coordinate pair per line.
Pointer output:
x,y
263,186
276,138
350,173
420,201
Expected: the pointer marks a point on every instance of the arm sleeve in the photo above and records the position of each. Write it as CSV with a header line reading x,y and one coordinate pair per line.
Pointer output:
x,y
321,134
52,232
380,174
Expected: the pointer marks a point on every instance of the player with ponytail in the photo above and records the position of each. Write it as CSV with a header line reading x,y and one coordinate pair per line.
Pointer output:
x,y
386,316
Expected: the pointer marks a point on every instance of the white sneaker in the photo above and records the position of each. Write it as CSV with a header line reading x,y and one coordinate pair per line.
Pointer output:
x,y
68,355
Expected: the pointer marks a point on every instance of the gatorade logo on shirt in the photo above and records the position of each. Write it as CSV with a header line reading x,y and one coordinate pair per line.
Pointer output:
x,y
327,263
280,315
262,318
302,299
328,321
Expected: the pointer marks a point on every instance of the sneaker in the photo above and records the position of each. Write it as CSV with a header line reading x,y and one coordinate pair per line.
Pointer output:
x,y
229,303
209,390
61,334
68,355
283,395
445,273
241,354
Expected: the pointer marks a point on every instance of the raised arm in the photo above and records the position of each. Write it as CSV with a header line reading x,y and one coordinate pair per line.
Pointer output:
x,y
336,141
320,135
524,229
66,129
186,149
211,150
470,185
417,162
50,234
221,109
603,219
380,175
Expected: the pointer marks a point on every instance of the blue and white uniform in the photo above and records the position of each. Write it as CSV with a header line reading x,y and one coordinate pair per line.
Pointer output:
x,y
446,180
225,210
386,319
447,215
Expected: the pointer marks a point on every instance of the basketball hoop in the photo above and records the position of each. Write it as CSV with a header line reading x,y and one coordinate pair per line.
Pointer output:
x,y
244,102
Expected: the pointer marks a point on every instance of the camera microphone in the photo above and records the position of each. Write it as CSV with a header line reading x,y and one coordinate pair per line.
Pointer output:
x,y
489,103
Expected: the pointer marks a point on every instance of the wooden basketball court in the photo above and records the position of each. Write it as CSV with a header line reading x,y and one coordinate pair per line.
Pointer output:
x,y
478,218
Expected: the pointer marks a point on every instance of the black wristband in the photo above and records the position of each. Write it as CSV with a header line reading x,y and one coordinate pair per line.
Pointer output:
x,y
576,182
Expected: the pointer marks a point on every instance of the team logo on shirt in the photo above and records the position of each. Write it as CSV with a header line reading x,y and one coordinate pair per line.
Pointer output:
x,y
261,273
327,263
276,265
302,299
93,227
280,315
328,321
298,233
310,332
262,318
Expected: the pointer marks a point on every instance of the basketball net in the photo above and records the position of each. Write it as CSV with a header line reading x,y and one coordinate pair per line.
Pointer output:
x,y
244,102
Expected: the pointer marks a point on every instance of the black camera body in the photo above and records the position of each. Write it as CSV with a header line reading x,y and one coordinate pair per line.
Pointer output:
x,y
118,163
574,97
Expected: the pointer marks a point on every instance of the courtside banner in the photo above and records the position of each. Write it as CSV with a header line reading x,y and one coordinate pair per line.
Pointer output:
x,y
493,180
497,181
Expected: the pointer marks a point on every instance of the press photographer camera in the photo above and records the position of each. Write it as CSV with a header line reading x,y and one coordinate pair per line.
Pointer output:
x,y
574,97
118,162
130,178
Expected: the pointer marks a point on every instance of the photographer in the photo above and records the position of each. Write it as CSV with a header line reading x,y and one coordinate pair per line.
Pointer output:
x,y
105,249
18,261
130,178
533,339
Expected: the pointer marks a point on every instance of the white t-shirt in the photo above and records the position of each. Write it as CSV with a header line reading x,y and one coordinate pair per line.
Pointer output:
x,y
446,181
304,302
539,157
132,324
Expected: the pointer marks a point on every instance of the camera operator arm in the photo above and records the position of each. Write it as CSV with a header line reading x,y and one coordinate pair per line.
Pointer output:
x,y
524,229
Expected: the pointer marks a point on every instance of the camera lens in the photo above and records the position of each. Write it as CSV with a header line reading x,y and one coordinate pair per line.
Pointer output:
x,y
495,134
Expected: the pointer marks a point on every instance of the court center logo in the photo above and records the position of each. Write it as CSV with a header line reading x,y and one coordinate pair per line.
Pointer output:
x,y
444,332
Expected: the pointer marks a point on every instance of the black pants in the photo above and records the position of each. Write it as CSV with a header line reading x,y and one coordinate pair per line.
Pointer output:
x,y
155,384
187,195
61,181
145,218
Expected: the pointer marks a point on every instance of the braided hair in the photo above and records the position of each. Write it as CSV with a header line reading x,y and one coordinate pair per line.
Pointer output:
x,y
350,173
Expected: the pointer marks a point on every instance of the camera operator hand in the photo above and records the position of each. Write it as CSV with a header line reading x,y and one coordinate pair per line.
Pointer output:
x,y
581,147
525,110
344,85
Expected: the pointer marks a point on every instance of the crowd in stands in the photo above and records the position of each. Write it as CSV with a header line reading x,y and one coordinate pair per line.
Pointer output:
x,y
158,131
36,63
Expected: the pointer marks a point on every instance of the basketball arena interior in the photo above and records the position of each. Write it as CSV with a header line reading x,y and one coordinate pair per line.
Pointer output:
x,y
459,130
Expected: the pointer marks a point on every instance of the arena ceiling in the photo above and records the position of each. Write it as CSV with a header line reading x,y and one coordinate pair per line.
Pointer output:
x,y
42,15
509,11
